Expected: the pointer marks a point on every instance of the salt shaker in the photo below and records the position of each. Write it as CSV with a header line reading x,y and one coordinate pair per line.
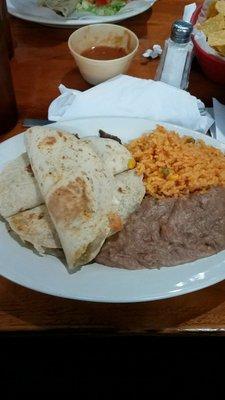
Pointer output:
x,y
176,59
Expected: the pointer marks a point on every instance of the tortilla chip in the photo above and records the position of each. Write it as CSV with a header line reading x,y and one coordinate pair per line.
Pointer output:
x,y
220,7
212,11
220,50
213,24
217,38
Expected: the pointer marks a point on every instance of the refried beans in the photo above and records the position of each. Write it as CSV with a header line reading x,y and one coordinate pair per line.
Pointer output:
x,y
169,231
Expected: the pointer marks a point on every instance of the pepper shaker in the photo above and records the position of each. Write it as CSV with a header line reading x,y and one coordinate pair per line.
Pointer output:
x,y
175,63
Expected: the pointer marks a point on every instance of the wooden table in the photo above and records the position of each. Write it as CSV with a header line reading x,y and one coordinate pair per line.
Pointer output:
x,y
42,61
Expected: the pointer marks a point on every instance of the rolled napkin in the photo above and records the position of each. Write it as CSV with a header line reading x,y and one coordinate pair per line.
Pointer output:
x,y
128,96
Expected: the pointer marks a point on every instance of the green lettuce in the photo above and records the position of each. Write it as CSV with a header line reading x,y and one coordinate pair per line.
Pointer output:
x,y
108,9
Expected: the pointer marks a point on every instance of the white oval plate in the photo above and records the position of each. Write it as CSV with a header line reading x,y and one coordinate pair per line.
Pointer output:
x,y
96,282
29,11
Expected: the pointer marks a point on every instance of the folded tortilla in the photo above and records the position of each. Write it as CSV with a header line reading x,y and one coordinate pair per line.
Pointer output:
x,y
64,7
114,155
124,192
35,226
129,193
76,188
18,187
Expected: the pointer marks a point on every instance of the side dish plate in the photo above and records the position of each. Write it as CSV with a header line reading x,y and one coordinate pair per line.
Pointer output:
x,y
28,10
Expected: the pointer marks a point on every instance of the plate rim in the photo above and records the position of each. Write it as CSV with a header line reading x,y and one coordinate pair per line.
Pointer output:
x,y
144,299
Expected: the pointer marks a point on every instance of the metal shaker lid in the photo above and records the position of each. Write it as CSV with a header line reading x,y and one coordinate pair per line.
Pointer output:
x,y
181,31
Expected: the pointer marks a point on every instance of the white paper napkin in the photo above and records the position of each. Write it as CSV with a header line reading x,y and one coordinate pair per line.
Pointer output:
x,y
219,116
189,9
128,96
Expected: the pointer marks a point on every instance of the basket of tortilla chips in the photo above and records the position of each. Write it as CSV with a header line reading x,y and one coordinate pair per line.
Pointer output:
x,y
209,38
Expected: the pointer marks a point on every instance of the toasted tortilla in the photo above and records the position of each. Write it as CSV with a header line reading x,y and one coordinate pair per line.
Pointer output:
x,y
18,187
19,190
114,155
35,226
77,190
129,193
63,7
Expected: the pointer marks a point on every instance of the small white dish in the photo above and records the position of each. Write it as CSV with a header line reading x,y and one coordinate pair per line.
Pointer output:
x,y
97,71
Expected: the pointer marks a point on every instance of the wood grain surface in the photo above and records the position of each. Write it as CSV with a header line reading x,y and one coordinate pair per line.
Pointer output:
x,y
41,62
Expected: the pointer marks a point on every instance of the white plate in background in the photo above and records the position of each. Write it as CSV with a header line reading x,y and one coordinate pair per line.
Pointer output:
x,y
29,10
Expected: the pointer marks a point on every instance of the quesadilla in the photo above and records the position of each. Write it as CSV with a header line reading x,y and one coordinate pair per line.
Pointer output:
x,y
74,172
115,156
35,226
18,187
62,7
76,188
129,193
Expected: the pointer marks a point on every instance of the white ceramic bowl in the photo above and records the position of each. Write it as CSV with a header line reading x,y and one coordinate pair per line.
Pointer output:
x,y
97,71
